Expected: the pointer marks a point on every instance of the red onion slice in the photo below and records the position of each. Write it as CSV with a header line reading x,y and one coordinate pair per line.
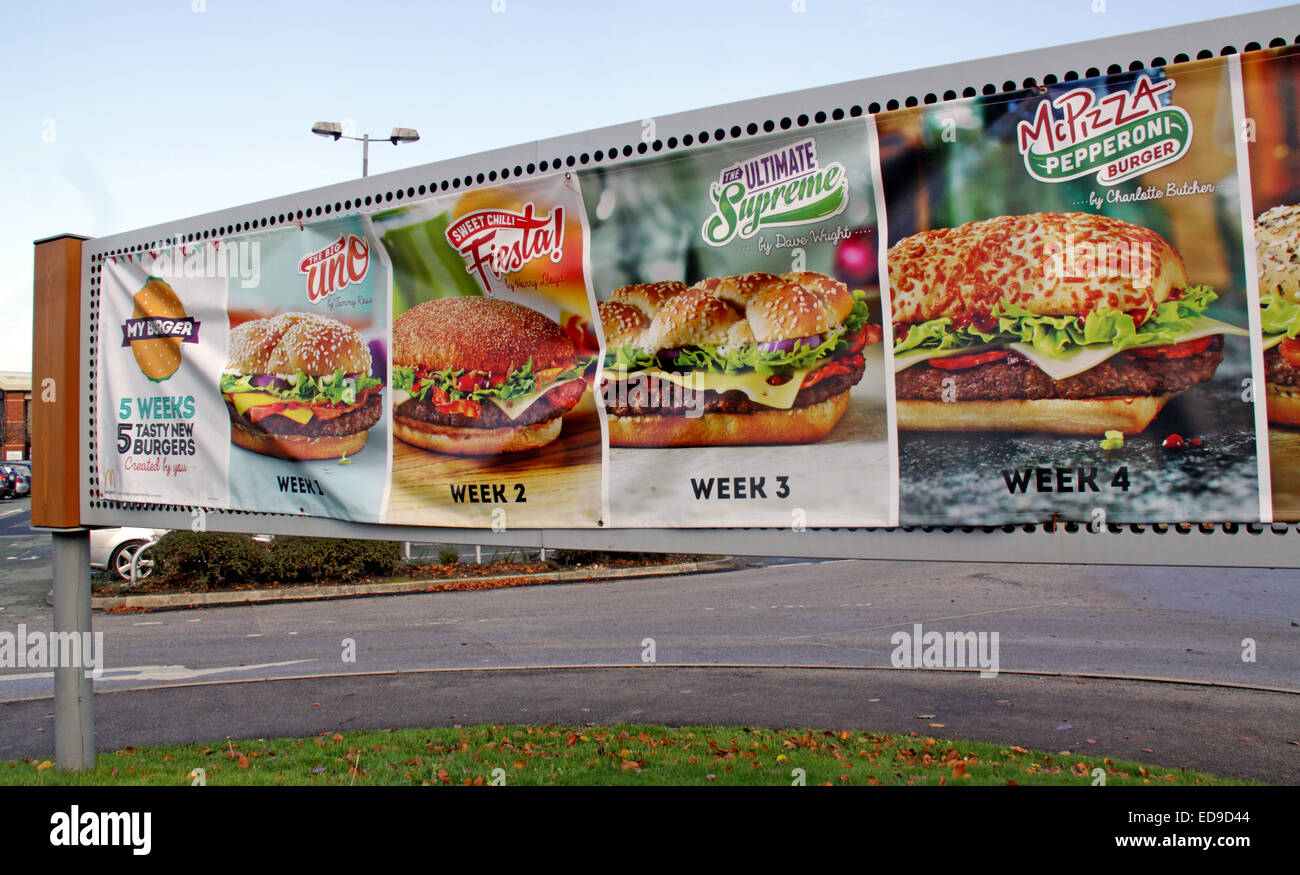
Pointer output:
x,y
812,341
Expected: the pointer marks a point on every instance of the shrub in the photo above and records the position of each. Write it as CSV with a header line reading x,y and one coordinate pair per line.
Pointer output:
x,y
215,559
304,560
448,555
592,557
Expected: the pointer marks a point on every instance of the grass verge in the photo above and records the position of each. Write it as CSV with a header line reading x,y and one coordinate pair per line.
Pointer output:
x,y
614,755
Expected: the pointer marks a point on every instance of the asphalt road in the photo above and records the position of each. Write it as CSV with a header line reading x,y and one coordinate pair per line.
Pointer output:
x,y
782,643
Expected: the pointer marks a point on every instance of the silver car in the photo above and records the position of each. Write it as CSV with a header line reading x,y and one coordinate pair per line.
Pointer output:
x,y
113,549
23,484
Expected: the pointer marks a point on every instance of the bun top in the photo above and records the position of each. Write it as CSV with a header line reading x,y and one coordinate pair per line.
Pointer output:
x,y
478,334
1051,264
1277,246
725,311
293,342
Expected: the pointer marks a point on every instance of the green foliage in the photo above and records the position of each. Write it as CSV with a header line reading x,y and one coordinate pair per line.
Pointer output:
x,y
603,557
448,555
307,560
219,560
628,755
209,559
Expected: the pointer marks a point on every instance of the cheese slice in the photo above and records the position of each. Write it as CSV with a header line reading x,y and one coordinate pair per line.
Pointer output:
x,y
1076,360
751,383
245,400
515,407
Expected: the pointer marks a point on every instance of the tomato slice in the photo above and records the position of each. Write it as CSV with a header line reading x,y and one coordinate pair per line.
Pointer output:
x,y
1183,350
464,407
1290,350
970,360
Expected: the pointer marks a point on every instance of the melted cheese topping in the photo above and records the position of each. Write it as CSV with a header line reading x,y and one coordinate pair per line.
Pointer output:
x,y
1076,360
245,400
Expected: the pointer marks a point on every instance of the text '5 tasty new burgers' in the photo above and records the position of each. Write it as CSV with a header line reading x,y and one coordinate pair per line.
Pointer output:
x,y
1074,324
481,376
298,386
750,359
1277,241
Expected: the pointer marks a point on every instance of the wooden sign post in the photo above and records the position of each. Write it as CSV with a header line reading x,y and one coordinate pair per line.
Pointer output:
x,y
56,503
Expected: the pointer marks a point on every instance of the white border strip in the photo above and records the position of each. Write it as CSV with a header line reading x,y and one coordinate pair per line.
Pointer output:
x,y
886,314
1247,203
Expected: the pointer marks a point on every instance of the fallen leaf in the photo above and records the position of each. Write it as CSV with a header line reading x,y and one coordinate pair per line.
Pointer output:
x,y
959,769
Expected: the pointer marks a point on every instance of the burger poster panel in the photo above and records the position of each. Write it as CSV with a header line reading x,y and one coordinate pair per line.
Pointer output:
x,y
305,379
493,354
1271,83
161,433
743,378
1069,302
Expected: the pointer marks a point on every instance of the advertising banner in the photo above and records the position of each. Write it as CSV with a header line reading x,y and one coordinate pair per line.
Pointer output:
x,y
162,436
305,381
1070,304
1271,129
743,377
1075,302
494,351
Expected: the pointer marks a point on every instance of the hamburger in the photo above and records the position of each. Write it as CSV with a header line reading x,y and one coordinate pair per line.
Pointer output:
x,y
299,386
1277,242
1073,324
749,359
480,376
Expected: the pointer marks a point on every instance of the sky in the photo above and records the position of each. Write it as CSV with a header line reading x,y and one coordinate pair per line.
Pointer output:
x,y
127,114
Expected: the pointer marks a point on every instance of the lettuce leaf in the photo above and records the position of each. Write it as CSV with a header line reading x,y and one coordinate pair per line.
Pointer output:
x,y
731,360
1056,335
520,382
1279,316
333,388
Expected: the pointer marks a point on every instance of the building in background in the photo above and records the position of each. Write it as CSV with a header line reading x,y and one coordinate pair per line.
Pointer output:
x,y
16,402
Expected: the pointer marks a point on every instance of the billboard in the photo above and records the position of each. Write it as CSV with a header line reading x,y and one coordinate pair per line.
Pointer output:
x,y
1061,303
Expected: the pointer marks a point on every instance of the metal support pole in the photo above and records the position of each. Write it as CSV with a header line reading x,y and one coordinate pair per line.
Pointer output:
x,y
365,156
74,709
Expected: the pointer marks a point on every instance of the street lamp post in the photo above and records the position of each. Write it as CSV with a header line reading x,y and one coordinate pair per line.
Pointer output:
x,y
335,130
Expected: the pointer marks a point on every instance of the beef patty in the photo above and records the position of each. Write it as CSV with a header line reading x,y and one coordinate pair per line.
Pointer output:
x,y
549,406
349,423
1278,370
1015,377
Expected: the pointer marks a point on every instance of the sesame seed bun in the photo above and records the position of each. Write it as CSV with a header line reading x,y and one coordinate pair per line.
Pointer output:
x,y
476,441
293,342
1055,415
478,333
297,447
798,425
1277,246
966,271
